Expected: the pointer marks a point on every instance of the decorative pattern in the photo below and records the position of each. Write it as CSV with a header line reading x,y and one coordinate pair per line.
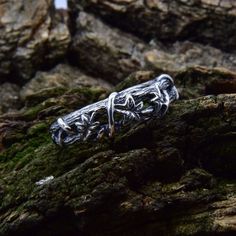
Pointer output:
x,y
142,102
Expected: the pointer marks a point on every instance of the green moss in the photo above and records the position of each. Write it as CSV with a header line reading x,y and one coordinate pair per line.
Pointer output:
x,y
192,224
43,95
23,143
135,78
87,94
33,156
68,100
32,112
37,128
20,152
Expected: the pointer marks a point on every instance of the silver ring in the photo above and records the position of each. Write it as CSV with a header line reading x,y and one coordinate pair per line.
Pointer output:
x,y
142,102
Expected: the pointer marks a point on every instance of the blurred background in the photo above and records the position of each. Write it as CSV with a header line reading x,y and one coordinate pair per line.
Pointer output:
x,y
106,41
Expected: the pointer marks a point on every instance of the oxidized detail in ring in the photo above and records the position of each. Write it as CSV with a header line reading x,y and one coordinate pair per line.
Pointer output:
x,y
136,104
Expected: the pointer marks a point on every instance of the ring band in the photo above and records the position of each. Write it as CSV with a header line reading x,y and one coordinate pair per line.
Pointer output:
x,y
136,104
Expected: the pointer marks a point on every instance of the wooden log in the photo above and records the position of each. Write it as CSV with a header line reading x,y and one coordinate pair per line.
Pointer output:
x,y
174,176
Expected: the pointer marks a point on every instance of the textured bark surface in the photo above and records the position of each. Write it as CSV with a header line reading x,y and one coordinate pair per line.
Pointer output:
x,y
32,36
174,176
114,54
205,21
179,180
10,97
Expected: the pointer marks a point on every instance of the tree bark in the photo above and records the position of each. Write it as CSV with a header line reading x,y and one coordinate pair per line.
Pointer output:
x,y
114,54
206,21
32,36
173,176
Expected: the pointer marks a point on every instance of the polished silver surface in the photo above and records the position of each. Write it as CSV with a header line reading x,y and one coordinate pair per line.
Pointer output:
x,y
142,102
